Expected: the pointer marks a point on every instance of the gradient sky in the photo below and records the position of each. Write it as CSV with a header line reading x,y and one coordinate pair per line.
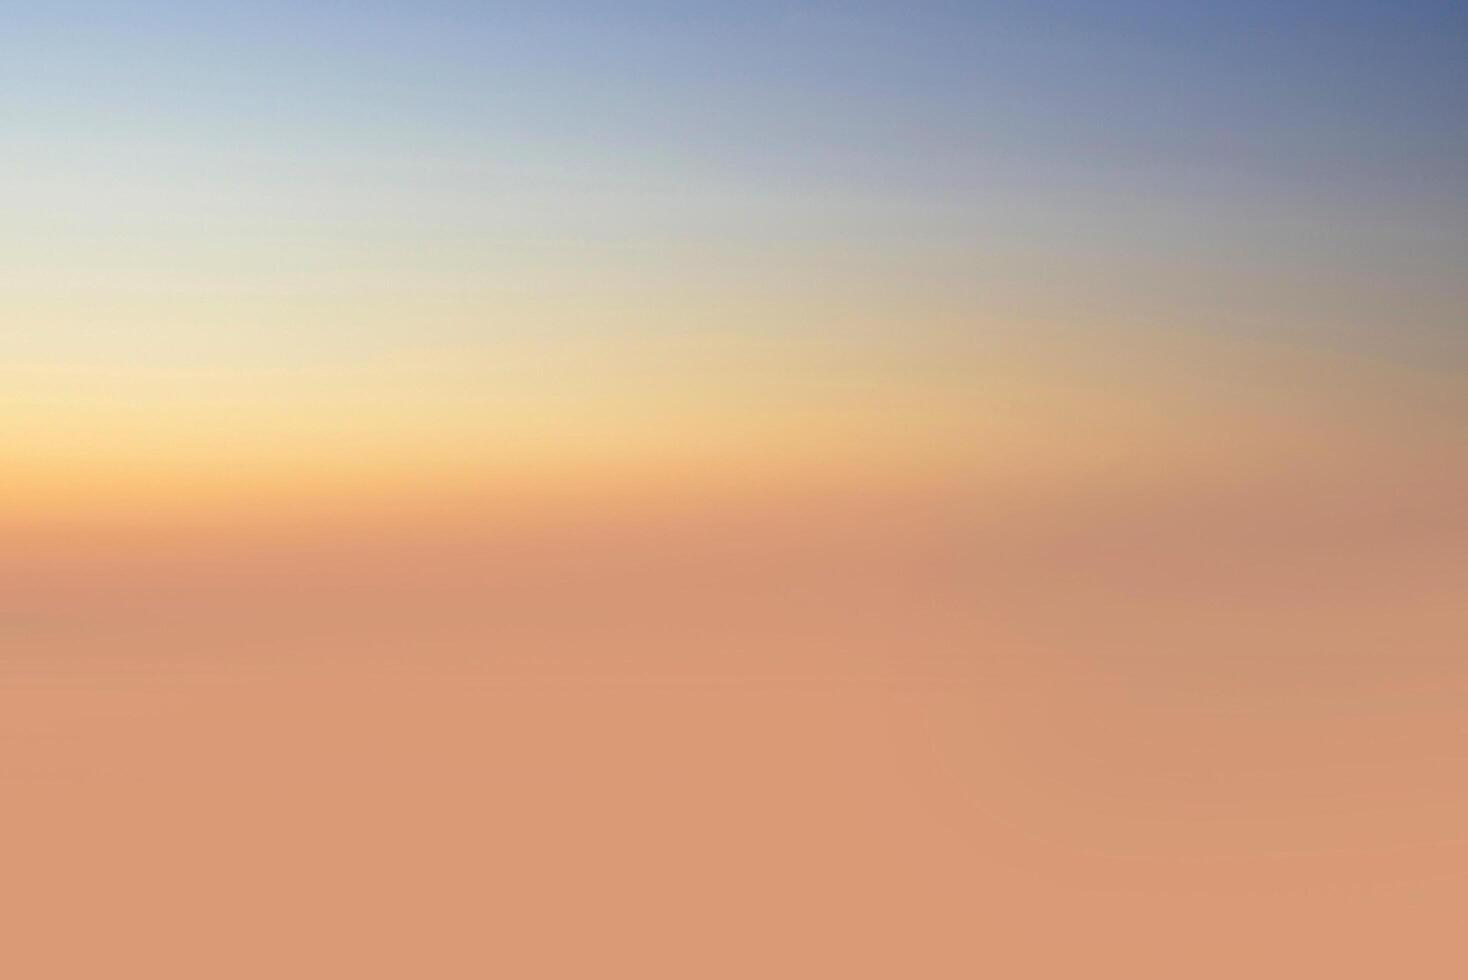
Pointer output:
x,y
525,224
755,490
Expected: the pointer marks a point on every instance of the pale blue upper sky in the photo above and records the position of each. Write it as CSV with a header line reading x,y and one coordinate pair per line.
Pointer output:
x,y
1295,165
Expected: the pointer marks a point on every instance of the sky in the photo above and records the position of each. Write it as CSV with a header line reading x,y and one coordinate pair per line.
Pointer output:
x,y
654,489
508,221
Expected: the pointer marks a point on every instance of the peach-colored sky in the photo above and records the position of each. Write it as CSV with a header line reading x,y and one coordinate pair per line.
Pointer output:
x,y
733,490
1060,653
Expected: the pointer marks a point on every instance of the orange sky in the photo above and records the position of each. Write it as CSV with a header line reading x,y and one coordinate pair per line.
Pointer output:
x,y
585,490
